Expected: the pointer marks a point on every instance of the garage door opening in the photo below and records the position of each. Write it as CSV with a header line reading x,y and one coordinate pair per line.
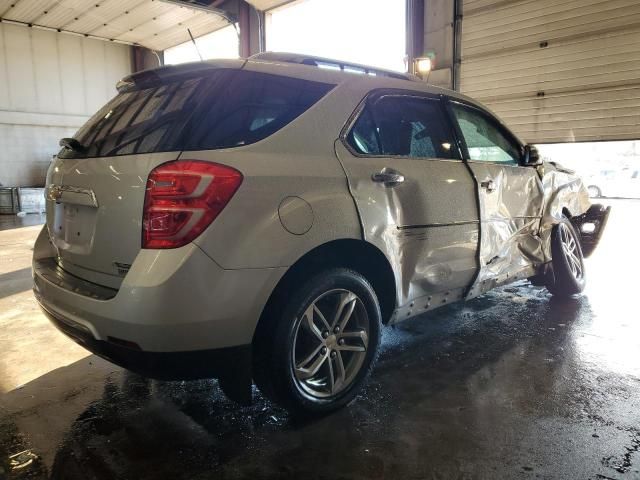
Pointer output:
x,y
608,169
370,32
222,43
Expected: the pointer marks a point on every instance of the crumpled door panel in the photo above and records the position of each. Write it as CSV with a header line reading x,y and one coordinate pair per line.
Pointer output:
x,y
510,212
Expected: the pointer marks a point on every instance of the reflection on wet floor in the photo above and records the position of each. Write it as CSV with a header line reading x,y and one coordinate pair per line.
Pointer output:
x,y
515,384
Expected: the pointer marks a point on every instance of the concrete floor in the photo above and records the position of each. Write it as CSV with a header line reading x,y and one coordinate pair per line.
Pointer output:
x,y
514,384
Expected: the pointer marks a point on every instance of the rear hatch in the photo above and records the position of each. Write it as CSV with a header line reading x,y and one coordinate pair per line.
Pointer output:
x,y
96,186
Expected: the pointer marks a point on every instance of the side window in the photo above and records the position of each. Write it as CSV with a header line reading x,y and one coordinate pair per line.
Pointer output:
x,y
485,141
363,137
252,107
402,126
412,127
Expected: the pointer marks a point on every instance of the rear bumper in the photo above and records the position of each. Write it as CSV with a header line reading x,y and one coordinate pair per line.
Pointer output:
x,y
597,215
190,365
176,315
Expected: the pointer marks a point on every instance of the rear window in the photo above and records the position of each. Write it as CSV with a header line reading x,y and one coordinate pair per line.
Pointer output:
x,y
225,108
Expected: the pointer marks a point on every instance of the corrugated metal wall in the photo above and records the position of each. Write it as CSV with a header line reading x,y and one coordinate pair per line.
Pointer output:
x,y
555,71
50,84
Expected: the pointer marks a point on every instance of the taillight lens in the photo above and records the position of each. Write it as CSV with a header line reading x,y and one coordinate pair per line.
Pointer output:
x,y
183,198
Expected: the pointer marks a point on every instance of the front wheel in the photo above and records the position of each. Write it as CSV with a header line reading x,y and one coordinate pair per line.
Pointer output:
x,y
322,344
568,273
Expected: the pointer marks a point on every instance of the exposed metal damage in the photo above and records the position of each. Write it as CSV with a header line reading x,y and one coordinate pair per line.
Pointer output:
x,y
591,225
512,233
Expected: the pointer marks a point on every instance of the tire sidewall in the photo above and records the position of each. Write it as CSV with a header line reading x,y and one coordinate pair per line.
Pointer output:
x,y
564,282
290,393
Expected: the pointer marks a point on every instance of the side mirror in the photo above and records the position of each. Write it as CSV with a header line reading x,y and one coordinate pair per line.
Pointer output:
x,y
531,156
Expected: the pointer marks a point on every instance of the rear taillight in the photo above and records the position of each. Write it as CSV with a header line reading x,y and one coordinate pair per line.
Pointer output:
x,y
183,198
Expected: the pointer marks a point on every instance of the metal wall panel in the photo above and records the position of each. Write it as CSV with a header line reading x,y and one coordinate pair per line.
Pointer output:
x,y
49,86
46,72
555,71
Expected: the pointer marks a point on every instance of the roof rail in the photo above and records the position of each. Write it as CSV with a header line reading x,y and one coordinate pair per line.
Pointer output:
x,y
331,64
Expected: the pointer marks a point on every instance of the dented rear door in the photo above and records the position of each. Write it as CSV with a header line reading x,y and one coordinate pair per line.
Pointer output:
x,y
415,197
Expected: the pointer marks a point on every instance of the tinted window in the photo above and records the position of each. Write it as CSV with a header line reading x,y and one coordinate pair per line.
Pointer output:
x,y
403,126
485,141
145,120
253,106
221,109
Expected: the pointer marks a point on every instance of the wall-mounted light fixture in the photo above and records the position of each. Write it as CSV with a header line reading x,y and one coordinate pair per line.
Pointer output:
x,y
422,66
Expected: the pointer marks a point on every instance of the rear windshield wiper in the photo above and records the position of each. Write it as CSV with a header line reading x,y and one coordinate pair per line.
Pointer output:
x,y
73,144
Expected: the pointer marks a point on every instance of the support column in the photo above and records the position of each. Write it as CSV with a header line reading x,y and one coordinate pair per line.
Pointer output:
x,y
244,23
439,40
414,30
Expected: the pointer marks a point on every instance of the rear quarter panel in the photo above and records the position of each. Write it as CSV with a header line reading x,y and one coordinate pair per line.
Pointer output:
x,y
298,161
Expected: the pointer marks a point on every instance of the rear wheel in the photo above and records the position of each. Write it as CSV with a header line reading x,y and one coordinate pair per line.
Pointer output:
x,y
322,344
568,273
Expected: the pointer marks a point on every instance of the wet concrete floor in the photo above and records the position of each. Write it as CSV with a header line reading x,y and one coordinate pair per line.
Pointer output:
x,y
15,221
515,384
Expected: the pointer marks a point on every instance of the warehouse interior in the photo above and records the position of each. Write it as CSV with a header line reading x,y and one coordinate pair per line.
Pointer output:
x,y
513,384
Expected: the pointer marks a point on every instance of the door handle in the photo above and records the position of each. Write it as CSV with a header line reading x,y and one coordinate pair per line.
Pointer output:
x,y
488,185
388,176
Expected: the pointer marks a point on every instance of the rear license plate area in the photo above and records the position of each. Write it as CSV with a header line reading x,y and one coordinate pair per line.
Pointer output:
x,y
73,226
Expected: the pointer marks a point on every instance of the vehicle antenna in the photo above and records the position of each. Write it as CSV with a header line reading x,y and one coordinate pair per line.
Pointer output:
x,y
195,45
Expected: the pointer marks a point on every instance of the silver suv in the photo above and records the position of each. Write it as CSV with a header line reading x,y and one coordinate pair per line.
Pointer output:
x,y
260,220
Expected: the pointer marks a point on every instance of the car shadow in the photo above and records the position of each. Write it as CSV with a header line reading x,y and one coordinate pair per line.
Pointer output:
x,y
15,282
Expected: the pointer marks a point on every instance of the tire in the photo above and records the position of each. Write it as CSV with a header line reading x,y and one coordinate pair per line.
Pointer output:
x,y
568,273
594,191
538,280
301,361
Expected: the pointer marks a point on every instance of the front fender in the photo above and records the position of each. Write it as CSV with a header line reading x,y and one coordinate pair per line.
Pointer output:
x,y
564,194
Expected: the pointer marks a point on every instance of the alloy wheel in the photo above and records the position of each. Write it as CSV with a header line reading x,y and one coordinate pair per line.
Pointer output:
x,y
571,251
330,343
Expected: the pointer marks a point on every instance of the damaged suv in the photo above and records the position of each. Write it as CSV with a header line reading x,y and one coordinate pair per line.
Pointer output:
x,y
260,221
